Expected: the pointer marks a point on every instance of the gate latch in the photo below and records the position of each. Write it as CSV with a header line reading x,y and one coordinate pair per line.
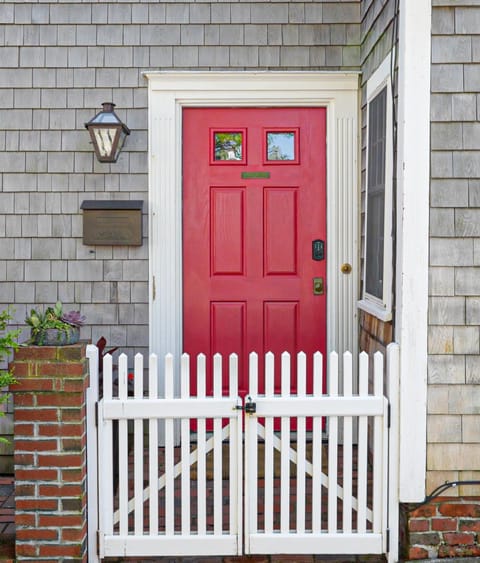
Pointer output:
x,y
250,407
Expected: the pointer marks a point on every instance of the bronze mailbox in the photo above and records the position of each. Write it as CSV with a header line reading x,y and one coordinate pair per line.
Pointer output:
x,y
112,222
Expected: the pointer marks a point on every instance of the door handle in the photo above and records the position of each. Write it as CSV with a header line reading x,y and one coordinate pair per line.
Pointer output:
x,y
318,286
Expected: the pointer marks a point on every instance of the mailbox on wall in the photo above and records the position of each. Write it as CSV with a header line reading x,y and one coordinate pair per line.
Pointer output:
x,y
116,223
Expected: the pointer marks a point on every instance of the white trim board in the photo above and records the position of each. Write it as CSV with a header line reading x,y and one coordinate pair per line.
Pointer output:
x,y
169,92
413,186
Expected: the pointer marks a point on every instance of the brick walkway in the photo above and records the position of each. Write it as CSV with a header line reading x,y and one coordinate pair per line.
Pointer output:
x,y
209,511
7,543
7,519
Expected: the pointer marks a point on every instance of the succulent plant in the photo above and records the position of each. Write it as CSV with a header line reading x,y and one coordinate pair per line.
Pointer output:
x,y
53,318
73,318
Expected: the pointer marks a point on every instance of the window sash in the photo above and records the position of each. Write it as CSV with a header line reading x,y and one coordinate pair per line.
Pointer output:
x,y
375,218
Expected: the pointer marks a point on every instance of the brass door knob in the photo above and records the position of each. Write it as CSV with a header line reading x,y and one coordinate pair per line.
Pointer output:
x,y
346,268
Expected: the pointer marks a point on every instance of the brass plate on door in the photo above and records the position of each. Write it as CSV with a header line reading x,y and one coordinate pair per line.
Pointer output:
x,y
253,175
318,286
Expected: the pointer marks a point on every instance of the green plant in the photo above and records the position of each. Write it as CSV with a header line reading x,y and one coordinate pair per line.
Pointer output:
x,y
8,342
53,318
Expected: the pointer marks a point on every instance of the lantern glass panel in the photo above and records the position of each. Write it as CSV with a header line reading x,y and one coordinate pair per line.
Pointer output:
x,y
105,139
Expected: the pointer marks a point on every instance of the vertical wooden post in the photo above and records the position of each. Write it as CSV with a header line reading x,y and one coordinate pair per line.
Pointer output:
x,y
50,452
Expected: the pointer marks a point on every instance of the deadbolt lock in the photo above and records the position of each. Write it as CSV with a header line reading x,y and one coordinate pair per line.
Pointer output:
x,y
318,286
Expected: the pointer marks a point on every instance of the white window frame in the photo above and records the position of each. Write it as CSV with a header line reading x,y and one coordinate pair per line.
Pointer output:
x,y
381,308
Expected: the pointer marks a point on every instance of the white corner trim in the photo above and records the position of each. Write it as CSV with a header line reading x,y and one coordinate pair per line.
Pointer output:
x,y
413,182
169,93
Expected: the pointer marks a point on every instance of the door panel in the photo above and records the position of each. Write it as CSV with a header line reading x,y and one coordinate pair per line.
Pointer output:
x,y
280,238
253,201
227,236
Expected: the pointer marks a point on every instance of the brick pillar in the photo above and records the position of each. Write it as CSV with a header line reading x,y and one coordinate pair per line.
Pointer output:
x,y
50,453
447,527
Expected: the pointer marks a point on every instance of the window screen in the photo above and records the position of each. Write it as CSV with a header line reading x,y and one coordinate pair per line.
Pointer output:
x,y
376,195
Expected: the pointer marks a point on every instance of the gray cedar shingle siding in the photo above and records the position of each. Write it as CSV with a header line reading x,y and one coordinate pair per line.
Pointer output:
x,y
454,343
58,63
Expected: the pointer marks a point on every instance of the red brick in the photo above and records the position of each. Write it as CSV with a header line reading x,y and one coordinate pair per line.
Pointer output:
x,y
67,460
60,369
73,475
34,384
23,459
457,509
36,474
444,524
458,551
47,550
426,511
73,444
20,369
24,490
25,520
35,353
75,430
60,521
60,399
417,553
246,559
74,534
37,534
22,429
469,526
39,415
74,385
35,445
417,525
60,490
459,538
74,353
24,400
72,415
23,504
26,549
291,558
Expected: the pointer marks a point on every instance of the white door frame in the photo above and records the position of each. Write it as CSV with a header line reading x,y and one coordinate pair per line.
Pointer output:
x,y
169,92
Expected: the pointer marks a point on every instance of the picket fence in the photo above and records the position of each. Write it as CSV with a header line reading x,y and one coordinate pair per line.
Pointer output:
x,y
211,474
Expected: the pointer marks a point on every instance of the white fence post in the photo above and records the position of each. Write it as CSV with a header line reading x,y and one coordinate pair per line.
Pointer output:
x,y
92,454
393,390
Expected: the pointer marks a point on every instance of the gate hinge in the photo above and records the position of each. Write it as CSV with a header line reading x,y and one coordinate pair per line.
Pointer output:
x,y
96,414
98,542
387,537
389,415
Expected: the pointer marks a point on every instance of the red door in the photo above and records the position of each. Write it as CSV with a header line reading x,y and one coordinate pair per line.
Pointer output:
x,y
254,230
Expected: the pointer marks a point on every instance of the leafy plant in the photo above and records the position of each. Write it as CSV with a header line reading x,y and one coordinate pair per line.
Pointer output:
x,y
8,342
53,318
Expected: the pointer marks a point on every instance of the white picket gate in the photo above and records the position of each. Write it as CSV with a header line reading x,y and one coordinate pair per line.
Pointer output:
x,y
316,465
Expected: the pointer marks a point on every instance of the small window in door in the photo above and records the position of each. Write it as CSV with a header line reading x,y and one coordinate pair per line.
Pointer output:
x,y
281,146
228,146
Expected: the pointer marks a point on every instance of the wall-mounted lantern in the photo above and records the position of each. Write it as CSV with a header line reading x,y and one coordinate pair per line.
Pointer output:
x,y
108,133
